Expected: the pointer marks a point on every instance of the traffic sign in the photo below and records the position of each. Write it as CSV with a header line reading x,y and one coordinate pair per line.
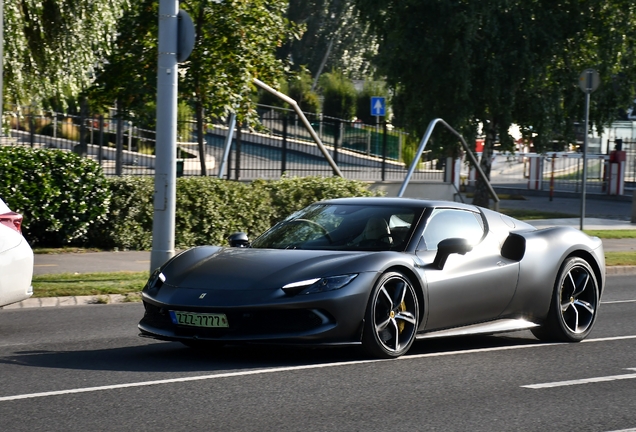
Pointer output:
x,y
378,106
589,80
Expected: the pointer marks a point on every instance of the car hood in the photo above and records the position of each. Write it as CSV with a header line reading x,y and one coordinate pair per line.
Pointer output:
x,y
210,267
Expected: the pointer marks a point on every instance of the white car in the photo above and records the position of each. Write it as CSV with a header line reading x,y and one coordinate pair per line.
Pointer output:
x,y
16,259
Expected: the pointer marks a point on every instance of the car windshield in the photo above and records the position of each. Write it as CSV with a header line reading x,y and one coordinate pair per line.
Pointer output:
x,y
343,227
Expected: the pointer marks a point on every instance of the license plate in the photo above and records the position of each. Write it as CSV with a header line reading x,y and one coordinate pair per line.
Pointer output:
x,y
199,319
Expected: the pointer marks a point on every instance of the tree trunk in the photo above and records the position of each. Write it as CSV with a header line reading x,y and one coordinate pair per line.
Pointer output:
x,y
482,194
201,137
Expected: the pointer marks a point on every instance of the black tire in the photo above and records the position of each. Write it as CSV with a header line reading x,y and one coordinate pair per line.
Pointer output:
x,y
574,306
391,318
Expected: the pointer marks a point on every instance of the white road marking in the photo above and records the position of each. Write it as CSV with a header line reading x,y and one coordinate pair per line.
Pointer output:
x,y
583,381
287,369
618,301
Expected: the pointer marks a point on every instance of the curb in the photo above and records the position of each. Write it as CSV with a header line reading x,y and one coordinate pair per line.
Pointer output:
x,y
73,301
620,270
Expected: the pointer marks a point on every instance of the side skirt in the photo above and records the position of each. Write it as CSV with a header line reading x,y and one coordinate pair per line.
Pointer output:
x,y
499,326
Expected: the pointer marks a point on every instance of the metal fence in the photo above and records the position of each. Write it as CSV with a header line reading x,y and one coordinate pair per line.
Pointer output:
x,y
561,171
280,146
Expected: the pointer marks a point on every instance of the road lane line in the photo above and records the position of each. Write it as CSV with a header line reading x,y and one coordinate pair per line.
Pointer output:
x,y
289,369
44,265
583,381
618,301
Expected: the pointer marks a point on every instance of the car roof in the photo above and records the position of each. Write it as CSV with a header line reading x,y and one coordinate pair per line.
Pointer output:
x,y
404,202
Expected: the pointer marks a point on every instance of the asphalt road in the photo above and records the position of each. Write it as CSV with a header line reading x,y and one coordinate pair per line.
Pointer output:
x,y
85,369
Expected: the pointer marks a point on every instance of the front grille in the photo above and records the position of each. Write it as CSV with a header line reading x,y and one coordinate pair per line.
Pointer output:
x,y
242,323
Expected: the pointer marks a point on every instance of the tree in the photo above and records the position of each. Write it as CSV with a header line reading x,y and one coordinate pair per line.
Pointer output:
x,y
333,38
51,47
495,62
235,43
339,96
298,87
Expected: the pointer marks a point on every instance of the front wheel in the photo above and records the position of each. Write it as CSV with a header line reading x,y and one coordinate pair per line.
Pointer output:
x,y
391,317
574,306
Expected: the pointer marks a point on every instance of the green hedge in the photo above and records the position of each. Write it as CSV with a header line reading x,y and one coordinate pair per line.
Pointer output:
x,y
61,195
66,200
208,210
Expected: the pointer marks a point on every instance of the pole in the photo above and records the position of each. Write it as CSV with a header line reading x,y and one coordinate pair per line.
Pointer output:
x,y
1,66
228,145
163,224
310,129
552,178
584,180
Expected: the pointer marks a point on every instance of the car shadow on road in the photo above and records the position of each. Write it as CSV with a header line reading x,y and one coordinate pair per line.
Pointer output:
x,y
174,357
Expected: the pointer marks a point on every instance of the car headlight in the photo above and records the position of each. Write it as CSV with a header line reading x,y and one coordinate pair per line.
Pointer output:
x,y
155,281
319,285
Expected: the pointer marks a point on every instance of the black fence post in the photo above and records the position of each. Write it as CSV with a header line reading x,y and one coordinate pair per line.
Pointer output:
x,y
31,130
100,152
336,139
237,173
82,147
283,157
383,150
119,155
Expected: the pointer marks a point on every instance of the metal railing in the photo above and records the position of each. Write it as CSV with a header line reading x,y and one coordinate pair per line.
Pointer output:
x,y
281,146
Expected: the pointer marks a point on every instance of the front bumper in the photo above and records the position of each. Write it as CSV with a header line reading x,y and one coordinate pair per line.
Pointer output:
x,y
325,318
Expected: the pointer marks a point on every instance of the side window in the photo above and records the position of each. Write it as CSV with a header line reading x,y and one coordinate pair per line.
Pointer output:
x,y
451,223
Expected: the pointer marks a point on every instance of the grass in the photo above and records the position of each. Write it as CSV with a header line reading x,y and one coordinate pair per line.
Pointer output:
x,y
522,214
612,234
97,284
620,258
65,249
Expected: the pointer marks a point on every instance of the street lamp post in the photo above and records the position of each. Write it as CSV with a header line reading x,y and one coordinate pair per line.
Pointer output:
x,y
163,224
588,82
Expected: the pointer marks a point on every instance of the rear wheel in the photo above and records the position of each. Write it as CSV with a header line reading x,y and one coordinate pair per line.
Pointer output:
x,y
391,318
574,306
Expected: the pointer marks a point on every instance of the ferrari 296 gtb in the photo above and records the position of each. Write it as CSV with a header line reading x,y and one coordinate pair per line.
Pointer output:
x,y
380,272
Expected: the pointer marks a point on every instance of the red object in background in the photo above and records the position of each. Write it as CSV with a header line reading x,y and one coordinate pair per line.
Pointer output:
x,y
479,145
617,156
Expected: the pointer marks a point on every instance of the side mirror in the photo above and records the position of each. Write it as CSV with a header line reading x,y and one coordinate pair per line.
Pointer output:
x,y
238,239
450,246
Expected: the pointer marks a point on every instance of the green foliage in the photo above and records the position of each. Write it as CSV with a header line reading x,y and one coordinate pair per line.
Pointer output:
x,y
61,195
494,63
298,88
129,221
290,194
339,96
409,150
41,36
333,38
209,209
235,42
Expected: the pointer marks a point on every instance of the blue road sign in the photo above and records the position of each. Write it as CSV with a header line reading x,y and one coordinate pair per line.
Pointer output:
x,y
378,106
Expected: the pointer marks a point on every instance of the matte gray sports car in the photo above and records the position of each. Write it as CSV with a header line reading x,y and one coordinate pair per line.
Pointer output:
x,y
380,272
